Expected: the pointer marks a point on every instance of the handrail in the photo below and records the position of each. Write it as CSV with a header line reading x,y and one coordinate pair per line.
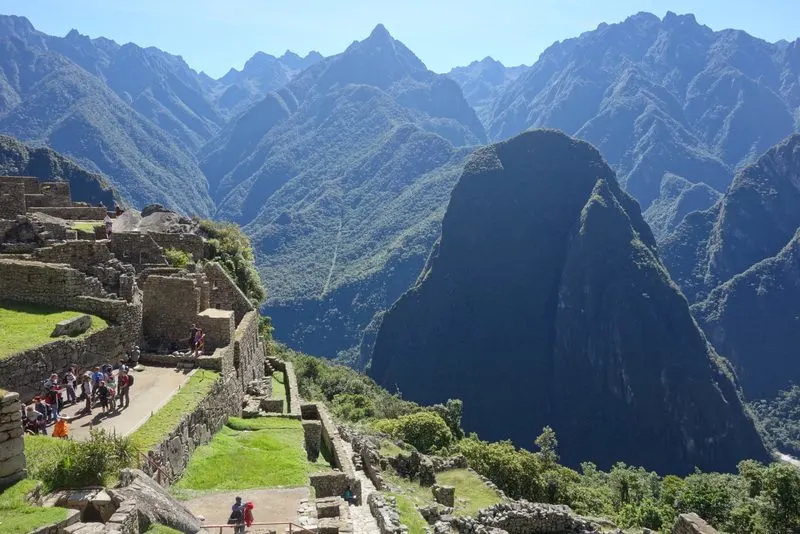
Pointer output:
x,y
292,527
160,473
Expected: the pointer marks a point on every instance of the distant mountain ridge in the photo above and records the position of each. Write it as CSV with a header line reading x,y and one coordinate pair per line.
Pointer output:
x,y
483,81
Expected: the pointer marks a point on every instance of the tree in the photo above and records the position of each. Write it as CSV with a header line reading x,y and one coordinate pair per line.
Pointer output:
x,y
451,412
548,443
780,498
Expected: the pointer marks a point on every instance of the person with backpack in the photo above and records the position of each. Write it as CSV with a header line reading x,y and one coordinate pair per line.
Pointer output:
x,y
53,396
237,516
69,383
125,383
102,393
87,391
97,377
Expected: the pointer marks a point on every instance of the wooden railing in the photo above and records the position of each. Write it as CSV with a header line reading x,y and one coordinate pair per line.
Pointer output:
x,y
159,474
292,528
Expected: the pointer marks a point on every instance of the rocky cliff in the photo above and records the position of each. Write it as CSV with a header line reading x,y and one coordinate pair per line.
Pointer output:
x,y
545,303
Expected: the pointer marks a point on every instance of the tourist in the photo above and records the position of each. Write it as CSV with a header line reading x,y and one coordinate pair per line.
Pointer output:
x,y
102,393
201,342
61,429
97,377
109,224
35,422
192,339
53,396
69,382
42,407
237,516
86,391
111,384
248,514
125,383
135,355
348,496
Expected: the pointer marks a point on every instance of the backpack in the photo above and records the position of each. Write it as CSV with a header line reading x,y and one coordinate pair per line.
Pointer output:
x,y
235,517
130,380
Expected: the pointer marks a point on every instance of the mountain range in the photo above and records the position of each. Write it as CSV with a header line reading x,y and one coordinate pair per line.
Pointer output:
x,y
546,289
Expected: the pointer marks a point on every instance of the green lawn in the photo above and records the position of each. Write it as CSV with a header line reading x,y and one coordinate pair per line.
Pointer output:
x,y
161,529
388,448
250,453
278,385
471,493
86,226
25,326
19,517
167,418
409,515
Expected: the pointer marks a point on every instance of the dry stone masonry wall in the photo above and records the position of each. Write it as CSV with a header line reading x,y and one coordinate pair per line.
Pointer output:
x,y
12,450
224,293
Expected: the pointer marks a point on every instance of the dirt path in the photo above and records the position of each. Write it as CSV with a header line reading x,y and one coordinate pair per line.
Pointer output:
x,y
363,522
152,388
277,505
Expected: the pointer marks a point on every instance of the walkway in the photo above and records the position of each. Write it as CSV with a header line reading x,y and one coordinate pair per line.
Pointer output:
x,y
363,522
152,388
269,505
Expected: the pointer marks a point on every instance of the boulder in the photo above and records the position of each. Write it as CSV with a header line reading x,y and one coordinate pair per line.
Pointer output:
x,y
154,503
692,524
445,495
73,327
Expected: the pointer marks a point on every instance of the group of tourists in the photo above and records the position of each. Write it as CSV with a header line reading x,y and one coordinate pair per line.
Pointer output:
x,y
101,385
197,340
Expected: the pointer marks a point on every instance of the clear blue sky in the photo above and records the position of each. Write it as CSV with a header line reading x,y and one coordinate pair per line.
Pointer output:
x,y
214,35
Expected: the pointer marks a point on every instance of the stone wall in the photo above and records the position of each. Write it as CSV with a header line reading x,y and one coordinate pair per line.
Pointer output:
x,y
225,294
30,184
77,254
692,524
73,213
136,249
12,200
51,194
171,305
523,517
12,448
41,283
192,244
248,351
26,370
218,327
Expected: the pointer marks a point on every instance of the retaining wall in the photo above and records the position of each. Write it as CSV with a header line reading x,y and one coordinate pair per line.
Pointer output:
x,y
78,254
224,293
171,304
12,448
72,213
30,184
50,284
12,200
192,244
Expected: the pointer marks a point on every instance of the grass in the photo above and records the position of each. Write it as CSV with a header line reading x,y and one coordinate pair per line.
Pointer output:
x,y
19,517
161,529
471,493
250,453
167,418
409,515
41,452
25,326
86,226
278,385
389,449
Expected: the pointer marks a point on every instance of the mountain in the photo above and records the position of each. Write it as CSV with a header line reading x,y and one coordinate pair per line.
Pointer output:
x,y
660,96
482,81
340,179
48,99
755,219
546,288
18,159
738,261
262,74
678,198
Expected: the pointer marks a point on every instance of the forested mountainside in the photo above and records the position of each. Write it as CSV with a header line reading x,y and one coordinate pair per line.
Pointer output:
x,y
483,81
738,262
18,159
341,179
546,285
659,96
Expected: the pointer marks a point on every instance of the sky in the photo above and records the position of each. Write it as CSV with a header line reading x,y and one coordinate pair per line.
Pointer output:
x,y
215,35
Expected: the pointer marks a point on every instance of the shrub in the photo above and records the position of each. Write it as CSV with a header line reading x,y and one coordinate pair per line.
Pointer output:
x,y
353,407
177,258
426,431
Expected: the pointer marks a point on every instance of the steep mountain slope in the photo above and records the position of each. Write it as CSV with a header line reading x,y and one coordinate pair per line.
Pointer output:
x,y
341,180
754,320
660,96
679,197
546,287
262,74
47,99
18,159
482,82
755,219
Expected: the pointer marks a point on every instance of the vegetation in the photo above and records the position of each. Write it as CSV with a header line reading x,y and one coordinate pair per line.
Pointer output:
x,y
86,226
25,326
780,420
250,453
157,528
177,258
278,385
426,431
471,493
66,463
17,516
232,249
409,515
167,418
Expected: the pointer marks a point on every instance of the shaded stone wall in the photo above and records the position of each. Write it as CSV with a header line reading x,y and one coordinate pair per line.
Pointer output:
x,y
51,194
30,184
218,327
171,305
42,283
136,249
12,448
73,213
225,294
77,254
248,351
26,370
192,244
12,200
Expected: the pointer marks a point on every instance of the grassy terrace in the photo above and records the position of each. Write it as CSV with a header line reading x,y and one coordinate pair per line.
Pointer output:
x,y
250,453
25,326
19,517
167,418
86,226
278,385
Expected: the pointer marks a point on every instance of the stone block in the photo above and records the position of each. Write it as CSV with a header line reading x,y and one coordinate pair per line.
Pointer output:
x,y
328,507
272,405
11,448
312,433
9,398
329,484
444,495
12,465
218,325
73,327
692,524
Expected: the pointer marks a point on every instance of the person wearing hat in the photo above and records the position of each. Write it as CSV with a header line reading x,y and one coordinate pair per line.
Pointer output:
x,y
87,390
35,421
125,381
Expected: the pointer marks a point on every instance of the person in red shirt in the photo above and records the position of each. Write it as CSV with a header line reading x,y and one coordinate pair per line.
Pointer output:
x,y
248,514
